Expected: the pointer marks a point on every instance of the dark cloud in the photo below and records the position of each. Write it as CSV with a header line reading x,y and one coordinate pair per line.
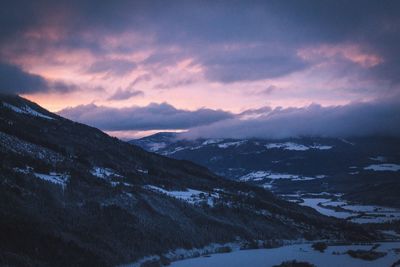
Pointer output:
x,y
14,80
123,94
355,119
200,28
153,116
247,65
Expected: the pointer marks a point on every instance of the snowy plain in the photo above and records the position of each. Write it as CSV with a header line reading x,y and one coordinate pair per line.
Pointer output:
x,y
301,252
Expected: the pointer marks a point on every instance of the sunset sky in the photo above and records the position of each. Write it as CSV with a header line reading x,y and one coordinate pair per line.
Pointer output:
x,y
233,68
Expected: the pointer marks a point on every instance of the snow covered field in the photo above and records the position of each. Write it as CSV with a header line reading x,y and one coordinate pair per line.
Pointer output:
x,y
261,175
341,209
302,252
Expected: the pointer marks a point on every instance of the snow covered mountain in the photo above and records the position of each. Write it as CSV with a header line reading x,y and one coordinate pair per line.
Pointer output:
x,y
366,170
73,196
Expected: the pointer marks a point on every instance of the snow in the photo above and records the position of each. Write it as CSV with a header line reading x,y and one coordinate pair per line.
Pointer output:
x,y
143,171
296,147
212,141
191,196
378,158
355,213
383,167
287,146
230,144
55,178
314,203
391,233
110,175
254,176
300,252
103,173
282,176
347,142
153,147
52,177
26,110
321,147
179,148
260,175
181,253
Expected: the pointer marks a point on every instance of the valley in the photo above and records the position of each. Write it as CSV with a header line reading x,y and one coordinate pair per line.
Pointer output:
x,y
356,180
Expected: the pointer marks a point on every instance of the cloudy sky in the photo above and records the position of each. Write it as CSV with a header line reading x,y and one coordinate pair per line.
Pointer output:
x,y
217,68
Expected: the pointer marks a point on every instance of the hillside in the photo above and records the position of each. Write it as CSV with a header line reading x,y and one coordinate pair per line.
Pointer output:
x,y
73,196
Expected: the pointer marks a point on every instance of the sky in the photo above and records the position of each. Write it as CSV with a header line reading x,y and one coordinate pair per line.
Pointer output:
x,y
212,68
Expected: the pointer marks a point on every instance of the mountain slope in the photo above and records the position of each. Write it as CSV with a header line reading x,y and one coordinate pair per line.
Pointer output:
x,y
365,170
73,196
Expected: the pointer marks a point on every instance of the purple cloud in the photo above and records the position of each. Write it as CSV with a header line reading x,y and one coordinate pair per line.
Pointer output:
x,y
151,117
123,94
355,119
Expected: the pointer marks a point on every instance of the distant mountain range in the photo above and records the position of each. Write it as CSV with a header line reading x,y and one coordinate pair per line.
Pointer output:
x,y
74,196
366,170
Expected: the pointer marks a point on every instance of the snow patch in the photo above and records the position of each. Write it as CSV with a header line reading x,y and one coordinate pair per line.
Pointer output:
x,y
383,167
60,179
347,142
321,147
287,146
191,196
261,175
26,110
230,144
177,149
55,178
296,147
153,147
104,173
378,158
143,171
212,141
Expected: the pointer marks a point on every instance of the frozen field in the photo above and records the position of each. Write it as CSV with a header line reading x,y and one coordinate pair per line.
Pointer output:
x,y
303,252
341,209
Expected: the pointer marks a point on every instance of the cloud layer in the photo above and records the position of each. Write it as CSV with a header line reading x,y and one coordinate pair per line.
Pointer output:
x,y
353,120
153,116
